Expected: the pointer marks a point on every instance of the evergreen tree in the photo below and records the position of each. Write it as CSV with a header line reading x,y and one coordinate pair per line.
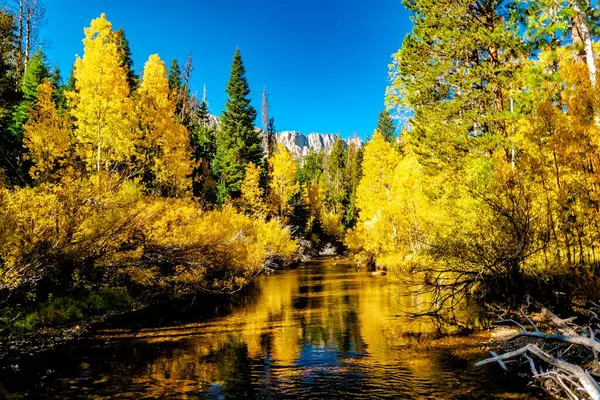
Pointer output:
x,y
311,167
58,90
335,180
175,76
238,143
8,97
126,60
386,127
203,142
35,73
354,157
8,93
464,110
71,86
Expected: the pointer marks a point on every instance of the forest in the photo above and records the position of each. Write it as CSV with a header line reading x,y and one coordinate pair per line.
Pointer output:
x,y
117,190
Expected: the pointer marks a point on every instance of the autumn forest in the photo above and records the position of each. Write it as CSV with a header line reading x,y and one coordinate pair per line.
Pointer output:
x,y
480,180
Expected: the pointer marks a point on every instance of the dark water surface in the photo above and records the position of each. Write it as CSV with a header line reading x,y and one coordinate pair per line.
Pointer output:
x,y
323,330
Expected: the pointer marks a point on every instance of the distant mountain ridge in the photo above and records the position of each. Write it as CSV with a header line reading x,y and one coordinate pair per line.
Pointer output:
x,y
300,144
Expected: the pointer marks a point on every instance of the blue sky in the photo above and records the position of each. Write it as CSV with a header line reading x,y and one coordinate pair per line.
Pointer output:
x,y
324,62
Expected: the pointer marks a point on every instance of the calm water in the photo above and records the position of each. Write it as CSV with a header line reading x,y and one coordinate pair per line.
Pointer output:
x,y
323,330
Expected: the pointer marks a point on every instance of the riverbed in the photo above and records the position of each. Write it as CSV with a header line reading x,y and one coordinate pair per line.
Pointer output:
x,y
322,330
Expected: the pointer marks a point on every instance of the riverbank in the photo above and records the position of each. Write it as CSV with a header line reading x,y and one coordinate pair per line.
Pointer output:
x,y
323,329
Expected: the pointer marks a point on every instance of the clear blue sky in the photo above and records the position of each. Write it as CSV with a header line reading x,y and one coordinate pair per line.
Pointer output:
x,y
324,62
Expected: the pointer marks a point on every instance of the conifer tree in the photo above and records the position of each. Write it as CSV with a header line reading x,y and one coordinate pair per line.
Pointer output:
x,y
385,126
8,98
35,72
335,186
354,156
311,167
8,94
203,142
238,143
58,94
126,60
456,110
175,76
100,103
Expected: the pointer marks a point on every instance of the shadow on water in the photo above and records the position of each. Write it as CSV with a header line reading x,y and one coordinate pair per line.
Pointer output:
x,y
323,330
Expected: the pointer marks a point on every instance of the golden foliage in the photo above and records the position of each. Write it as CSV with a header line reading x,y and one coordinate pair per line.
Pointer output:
x,y
252,194
283,180
47,136
100,103
162,143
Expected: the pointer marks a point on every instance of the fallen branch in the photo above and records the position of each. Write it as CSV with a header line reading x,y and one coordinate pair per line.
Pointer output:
x,y
572,380
588,383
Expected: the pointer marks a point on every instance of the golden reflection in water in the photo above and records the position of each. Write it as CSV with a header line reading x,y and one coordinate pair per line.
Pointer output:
x,y
316,331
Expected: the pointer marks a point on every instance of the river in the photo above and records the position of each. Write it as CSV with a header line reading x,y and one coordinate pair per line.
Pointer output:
x,y
323,330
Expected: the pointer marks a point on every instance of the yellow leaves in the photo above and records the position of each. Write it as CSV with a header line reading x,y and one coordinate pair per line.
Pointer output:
x,y
379,163
162,142
216,240
283,179
47,136
391,200
100,103
252,194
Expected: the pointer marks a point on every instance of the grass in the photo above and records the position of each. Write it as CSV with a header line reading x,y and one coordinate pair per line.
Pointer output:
x,y
62,311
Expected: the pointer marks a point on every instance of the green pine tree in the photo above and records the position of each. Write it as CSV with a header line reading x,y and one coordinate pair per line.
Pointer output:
x,y
238,142
203,142
465,110
386,127
59,90
354,157
335,188
311,167
70,86
9,96
8,92
126,60
175,76
35,73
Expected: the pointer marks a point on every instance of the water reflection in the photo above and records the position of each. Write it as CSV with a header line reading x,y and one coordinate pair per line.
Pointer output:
x,y
321,331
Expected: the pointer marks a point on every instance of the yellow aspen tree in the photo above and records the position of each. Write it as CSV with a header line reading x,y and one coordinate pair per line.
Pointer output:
x,y
47,135
374,195
163,146
100,103
283,182
252,194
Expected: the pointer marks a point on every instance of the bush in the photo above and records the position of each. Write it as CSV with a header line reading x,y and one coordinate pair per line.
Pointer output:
x,y
63,310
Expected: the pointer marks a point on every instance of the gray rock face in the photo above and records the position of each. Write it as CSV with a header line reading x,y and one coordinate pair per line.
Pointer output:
x,y
300,144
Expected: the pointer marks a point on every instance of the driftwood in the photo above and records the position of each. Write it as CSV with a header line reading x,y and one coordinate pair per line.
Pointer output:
x,y
569,379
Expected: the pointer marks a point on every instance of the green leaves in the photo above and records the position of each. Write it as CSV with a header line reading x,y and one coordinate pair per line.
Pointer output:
x,y
238,142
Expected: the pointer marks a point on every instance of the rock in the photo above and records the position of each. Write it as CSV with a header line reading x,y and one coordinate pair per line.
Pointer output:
x,y
298,143
329,250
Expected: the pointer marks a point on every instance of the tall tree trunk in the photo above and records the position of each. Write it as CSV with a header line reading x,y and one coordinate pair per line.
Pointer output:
x,y
581,35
